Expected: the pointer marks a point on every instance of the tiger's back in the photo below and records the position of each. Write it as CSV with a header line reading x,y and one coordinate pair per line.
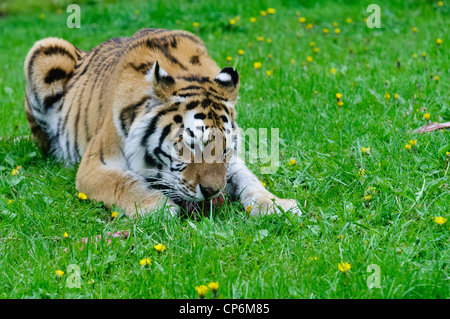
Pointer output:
x,y
71,95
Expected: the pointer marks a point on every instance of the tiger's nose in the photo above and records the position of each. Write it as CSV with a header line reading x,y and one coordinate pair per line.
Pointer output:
x,y
209,192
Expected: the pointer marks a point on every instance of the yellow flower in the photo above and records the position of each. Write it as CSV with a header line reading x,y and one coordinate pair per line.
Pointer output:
x,y
424,54
201,290
59,273
340,237
257,65
440,3
413,142
340,103
114,214
436,78
408,147
271,10
438,41
387,96
302,19
309,26
337,30
137,12
415,55
263,13
344,267
440,220
395,96
262,183
269,73
160,248
145,262
311,44
232,21
214,286
259,39
195,24
292,61
426,116
241,52
10,201
309,59
368,197
361,172
14,172
269,56
292,161
333,70
365,19
365,150
66,235
90,282
82,196
42,16
414,29
338,96
269,40
335,24
252,19
248,209
349,20
316,50
325,30
229,58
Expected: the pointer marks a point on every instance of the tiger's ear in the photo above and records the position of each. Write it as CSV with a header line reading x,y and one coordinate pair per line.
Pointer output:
x,y
162,83
228,82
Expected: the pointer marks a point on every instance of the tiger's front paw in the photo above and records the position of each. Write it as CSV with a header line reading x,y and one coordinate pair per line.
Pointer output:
x,y
264,205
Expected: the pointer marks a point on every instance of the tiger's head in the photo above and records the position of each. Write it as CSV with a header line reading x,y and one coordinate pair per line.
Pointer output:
x,y
188,134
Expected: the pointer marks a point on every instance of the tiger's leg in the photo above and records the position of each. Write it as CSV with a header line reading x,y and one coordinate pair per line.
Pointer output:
x,y
254,197
113,184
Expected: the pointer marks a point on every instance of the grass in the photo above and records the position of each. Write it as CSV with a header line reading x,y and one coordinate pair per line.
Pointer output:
x,y
276,256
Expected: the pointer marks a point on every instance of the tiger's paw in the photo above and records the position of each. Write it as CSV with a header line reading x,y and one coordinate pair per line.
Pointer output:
x,y
263,205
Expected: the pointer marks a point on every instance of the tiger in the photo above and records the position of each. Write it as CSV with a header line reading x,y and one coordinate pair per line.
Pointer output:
x,y
113,111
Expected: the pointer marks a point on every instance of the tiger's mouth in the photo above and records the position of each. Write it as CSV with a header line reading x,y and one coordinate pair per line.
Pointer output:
x,y
201,208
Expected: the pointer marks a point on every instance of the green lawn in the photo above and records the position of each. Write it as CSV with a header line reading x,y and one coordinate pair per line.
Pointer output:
x,y
345,220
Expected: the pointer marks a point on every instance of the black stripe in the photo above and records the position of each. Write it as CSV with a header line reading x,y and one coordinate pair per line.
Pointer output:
x,y
129,113
54,74
49,101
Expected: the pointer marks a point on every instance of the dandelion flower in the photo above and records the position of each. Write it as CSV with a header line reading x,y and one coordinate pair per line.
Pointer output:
x,y
344,267
269,40
66,235
114,214
160,248
241,52
269,73
413,142
271,10
316,50
365,150
408,147
257,65
335,24
424,55
333,70
338,96
340,237
232,21
387,96
414,29
292,61
82,196
252,19
340,103
309,58
396,96
263,13
292,162
367,197
426,116
214,286
195,24
415,55
145,262
309,26
201,290
262,183
248,209
10,201
439,220
59,273
438,41
91,282
337,30
229,59
325,30
349,20
312,44
302,19
259,39
440,3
